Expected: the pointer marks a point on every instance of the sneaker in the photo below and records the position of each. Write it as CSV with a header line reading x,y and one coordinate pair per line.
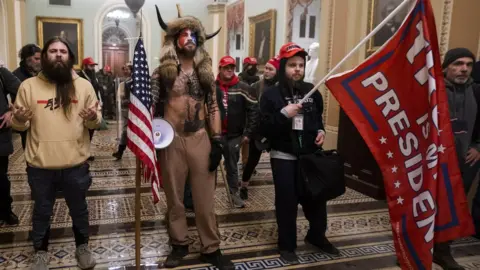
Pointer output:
x,y
218,260
10,219
40,261
244,193
289,257
237,201
175,257
85,259
323,244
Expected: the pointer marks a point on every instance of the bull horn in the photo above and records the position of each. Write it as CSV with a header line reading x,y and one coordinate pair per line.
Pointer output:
x,y
209,36
179,11
160,20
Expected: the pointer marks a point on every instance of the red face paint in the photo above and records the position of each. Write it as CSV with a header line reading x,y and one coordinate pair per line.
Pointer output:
x,y
186,37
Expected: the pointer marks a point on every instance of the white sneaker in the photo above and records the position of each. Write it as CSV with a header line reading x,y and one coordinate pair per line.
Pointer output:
x,y
85,259
40,261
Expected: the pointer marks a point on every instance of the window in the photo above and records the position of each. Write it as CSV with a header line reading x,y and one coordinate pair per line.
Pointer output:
x,y
238,42
303,26
60,2
311,27
237,64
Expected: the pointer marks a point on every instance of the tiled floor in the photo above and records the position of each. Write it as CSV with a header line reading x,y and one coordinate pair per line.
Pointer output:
x,y
357,224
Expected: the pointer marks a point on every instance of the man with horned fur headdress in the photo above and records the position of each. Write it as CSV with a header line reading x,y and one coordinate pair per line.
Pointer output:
x,y
183,88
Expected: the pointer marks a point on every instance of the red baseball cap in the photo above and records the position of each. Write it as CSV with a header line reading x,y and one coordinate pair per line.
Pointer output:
x,y
274,62
250,60
227,60
88,61
107,68
290,49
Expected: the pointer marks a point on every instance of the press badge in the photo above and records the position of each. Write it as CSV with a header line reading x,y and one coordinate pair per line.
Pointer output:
x,y
297,123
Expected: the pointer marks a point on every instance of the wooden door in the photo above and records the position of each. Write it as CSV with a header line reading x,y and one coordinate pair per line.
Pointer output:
x,y
116,57
362,172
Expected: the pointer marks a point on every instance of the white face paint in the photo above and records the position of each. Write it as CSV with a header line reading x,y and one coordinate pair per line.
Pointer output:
x,y
187,37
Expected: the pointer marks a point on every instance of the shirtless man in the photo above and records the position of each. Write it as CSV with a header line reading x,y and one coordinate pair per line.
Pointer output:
x,y
184,94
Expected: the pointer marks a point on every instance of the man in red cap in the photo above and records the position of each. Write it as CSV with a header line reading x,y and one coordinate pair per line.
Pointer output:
x,y
294,130
238,108
249,73
258,143
88,73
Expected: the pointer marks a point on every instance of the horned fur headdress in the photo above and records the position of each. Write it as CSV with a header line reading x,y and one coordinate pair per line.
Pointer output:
x,y
169,63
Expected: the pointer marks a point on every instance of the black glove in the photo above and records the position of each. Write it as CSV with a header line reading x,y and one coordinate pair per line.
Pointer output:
x,y
215,154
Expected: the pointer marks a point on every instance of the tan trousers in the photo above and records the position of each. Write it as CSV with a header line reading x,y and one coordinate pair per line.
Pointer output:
x,y
189,157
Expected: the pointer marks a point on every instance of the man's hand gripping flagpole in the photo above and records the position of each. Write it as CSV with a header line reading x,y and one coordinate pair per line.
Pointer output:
x,y
359,45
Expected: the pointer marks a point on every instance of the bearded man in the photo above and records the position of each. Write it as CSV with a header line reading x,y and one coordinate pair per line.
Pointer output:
x,y
57,107
184,93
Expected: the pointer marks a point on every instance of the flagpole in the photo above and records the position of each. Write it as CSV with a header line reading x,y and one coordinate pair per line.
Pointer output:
x,y
138,185
354,50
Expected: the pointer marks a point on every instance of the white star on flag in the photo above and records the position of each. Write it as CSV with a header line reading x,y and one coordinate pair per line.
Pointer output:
x,y
439,131
383,140
397,184
441,148
390,154
400,200
394,169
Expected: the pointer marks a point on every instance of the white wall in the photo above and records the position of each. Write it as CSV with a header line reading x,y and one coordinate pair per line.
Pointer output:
x,y
313,10
89,10
3,34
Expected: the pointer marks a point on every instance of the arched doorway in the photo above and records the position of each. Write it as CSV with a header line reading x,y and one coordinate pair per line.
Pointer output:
x,y
3,34
115,49
108,7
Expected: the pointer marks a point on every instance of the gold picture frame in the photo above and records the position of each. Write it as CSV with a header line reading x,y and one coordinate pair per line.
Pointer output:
x,y
266,22
376,13
69,28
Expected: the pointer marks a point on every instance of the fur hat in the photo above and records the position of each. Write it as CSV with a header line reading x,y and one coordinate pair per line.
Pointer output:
x,y
168,69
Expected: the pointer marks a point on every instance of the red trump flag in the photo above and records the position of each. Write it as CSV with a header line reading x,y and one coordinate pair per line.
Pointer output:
x,y
398,102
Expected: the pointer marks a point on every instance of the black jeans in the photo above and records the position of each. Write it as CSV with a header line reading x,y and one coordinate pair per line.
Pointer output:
x,y
23,135
468,175
90,132
253,158
5,198
287,197
44,183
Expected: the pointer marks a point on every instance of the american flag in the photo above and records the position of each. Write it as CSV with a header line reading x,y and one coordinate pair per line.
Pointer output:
x,y
140,115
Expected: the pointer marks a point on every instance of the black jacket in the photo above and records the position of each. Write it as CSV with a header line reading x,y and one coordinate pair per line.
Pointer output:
x,y
277,128
242,106
22,73
8,85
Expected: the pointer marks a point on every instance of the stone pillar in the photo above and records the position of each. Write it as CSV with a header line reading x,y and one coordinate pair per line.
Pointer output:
x,y
16,30
216,46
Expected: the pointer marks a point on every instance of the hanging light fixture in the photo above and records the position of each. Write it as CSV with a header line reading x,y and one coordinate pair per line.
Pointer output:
x,y
135,6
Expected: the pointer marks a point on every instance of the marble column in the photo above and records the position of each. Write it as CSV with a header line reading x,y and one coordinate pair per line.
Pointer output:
x,y
216,45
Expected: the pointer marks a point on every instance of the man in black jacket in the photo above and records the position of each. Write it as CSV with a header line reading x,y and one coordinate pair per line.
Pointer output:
x,y
238,105
29,67
293,130
464,104
8,85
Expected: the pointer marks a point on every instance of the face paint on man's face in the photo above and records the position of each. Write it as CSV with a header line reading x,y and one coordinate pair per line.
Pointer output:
x,y
186,37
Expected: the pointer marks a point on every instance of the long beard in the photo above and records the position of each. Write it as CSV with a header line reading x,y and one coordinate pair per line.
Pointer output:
x,y
59,73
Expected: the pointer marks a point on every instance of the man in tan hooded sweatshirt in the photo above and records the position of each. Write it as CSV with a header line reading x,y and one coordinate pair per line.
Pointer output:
x,y
57,107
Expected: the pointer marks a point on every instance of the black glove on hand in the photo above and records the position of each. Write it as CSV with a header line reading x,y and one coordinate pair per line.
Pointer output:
x,y
215,154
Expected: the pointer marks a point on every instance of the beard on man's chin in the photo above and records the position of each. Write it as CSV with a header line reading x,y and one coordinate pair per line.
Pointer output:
x,y
186,52
58,72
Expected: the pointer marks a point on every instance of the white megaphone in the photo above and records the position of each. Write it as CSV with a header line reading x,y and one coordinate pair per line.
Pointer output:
x,y
162,133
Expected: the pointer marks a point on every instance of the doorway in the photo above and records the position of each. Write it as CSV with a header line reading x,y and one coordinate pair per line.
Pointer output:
x,y
116,57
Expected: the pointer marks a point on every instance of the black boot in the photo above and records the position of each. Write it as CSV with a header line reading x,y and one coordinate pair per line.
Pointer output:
x,y
10,219
118,155
442,255
323,244
218,260
175,257
289,257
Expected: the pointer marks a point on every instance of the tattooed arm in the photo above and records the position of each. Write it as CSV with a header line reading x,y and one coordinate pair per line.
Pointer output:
x,y
213,113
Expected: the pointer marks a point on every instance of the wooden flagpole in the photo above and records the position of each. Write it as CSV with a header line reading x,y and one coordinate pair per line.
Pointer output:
x,y
138,185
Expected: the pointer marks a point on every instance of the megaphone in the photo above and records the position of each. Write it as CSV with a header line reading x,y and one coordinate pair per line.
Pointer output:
x,y
162,133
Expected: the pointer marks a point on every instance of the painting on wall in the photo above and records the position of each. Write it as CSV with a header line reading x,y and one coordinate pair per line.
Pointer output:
x,y
69,29
379,10
262,36
235,19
